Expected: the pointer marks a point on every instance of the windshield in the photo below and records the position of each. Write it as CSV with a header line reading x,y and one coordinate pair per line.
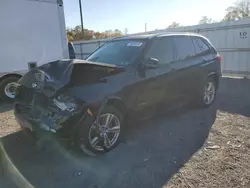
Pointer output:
x,y
122,52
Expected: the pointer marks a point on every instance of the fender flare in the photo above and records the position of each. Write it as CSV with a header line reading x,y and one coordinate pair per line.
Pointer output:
x,y
212,73
4,75
217,78
105,102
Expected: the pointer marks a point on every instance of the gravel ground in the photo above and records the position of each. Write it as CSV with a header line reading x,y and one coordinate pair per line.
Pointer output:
x,y
7,121
189,148
224,160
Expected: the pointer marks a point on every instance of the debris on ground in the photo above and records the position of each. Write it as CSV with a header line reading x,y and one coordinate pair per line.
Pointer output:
x,y
213,147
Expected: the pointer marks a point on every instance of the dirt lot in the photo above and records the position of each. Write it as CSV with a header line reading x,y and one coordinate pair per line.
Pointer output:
x,y
191,148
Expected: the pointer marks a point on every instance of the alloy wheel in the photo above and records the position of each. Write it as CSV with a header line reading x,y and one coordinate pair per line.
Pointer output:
x,y
104,135
209,93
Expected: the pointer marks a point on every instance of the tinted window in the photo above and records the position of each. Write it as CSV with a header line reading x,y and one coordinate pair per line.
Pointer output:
x,y
184,47
121,52
202,45
196,47
162,49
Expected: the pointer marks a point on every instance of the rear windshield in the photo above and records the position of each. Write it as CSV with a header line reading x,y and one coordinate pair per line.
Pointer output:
x,y
121,52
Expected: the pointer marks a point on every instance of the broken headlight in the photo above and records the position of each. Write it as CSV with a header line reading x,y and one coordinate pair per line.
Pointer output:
x,y
65,103
41,76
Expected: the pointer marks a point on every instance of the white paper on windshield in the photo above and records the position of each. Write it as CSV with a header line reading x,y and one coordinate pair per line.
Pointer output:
x,y
135,44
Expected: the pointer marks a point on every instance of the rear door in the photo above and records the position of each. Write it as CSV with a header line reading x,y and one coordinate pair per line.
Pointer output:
x,y
183,67
206,57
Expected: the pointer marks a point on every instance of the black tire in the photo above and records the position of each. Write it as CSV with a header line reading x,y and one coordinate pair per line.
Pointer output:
x,y
82,137
4,83
203,103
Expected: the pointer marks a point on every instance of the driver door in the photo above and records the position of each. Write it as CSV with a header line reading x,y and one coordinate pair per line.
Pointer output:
x,y
157,87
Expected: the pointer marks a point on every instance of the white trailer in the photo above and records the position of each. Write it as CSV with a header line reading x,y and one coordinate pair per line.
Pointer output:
x,y
31,31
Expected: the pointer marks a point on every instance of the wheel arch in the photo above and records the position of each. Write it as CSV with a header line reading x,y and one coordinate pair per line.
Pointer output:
x,y
117,103
214,76
4,76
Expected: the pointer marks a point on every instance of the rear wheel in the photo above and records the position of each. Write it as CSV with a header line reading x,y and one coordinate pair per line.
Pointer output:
x,y
209,92
100,138
8,87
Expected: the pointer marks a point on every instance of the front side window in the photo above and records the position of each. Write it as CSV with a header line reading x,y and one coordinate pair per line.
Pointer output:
x,y
162,49
120,52
184,47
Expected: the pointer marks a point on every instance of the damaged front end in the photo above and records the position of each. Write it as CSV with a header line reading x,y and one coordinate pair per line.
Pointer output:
x,y
38,106
58,94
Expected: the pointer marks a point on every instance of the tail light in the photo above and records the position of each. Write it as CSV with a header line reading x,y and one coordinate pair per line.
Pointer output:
x,y
219,58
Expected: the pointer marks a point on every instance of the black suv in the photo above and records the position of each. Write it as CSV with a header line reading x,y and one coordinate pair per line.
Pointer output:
x,y
129,76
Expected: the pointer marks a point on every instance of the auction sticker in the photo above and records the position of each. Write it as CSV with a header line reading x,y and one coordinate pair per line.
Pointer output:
x,y
135,44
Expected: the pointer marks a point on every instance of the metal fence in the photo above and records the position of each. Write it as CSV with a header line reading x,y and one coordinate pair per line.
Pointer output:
x,y
80,54
84,48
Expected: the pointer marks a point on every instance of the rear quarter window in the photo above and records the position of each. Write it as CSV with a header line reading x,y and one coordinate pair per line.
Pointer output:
x,y
200,45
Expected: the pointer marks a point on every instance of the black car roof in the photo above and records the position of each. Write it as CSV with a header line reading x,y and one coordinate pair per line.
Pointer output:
x,y
135,37
149,36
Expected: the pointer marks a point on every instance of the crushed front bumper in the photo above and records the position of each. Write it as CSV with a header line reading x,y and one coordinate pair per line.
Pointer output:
x,y
36,119
36,111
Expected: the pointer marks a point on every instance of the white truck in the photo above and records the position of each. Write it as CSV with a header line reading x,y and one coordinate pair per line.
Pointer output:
x,y
32,33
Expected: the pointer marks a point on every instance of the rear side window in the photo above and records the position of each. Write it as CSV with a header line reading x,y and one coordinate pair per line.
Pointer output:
x,y
162,49
200,45
184,47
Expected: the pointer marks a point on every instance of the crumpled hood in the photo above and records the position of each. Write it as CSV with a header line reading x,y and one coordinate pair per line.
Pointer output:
x,y
51,77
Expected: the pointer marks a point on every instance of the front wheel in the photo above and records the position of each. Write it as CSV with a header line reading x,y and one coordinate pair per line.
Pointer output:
x,y
209,93
100,138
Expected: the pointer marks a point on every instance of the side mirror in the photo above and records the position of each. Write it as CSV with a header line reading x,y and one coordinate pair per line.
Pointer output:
x,y
151,63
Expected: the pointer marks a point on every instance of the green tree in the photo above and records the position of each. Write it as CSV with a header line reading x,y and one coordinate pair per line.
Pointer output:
x,y
75,34
117,31
70,34
240,10
205,20
174,25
